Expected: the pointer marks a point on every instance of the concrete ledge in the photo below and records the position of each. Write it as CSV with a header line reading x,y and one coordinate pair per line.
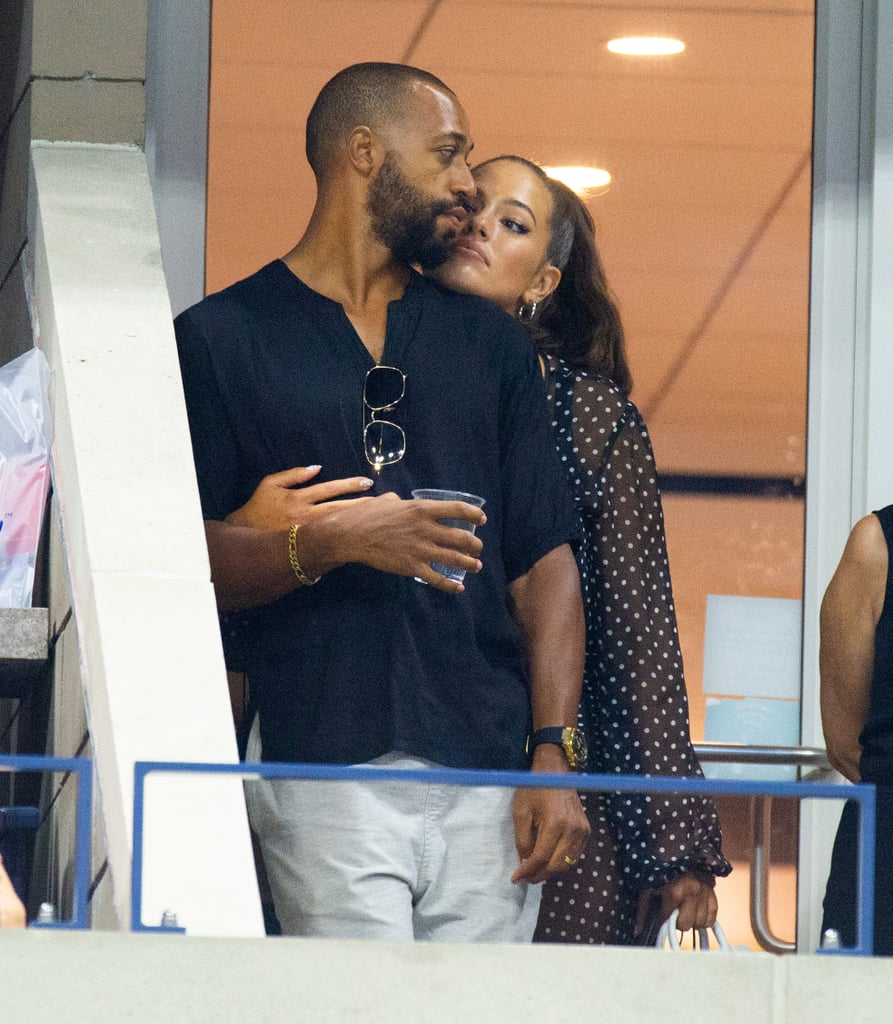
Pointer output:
x,y
23,648
172,978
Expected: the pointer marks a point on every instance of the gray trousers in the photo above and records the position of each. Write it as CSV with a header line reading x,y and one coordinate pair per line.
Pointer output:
x,y
391,860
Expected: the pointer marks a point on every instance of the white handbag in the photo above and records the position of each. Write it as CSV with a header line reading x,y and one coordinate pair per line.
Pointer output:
x,y
668,936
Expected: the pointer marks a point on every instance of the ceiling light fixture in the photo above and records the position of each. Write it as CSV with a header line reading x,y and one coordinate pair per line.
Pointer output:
x,y
646,46
580,179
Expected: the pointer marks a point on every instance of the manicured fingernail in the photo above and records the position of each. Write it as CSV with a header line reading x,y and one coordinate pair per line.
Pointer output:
x,y
314,467
366,482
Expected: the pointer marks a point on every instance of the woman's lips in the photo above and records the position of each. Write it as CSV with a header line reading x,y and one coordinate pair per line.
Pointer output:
x,y
468,248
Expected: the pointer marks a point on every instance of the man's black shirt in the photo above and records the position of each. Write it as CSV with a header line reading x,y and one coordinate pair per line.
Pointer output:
x,y
366,662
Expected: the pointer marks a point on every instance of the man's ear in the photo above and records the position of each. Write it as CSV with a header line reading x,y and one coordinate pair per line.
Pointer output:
x,y
544,283
364,150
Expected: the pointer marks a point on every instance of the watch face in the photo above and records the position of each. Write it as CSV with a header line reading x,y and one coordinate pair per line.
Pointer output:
x,y
576,749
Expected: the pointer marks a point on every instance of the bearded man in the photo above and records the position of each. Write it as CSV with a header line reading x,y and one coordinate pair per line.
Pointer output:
x,y
342,355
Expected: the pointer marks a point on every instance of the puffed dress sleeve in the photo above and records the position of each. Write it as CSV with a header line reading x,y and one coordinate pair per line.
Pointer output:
x,y
634,706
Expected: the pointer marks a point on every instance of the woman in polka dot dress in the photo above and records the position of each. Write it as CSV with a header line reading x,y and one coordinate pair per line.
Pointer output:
x,y
529,245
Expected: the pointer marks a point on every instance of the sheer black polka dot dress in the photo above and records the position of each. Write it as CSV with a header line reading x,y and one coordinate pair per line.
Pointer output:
x,y
634,707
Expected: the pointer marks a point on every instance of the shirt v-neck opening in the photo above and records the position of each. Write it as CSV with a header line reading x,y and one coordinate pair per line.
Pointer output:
x,y
402,316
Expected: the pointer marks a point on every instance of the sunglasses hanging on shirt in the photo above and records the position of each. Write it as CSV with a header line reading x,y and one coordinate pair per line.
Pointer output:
x,y
384,442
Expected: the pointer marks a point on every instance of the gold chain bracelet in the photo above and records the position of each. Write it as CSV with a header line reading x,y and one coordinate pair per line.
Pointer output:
x,y
303,578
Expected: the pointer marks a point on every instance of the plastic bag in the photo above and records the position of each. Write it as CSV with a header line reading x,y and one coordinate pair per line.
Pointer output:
x,y
667,936
25,435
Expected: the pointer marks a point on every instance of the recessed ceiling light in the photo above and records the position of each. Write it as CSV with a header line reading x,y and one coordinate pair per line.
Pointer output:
x,y
580,179
646,46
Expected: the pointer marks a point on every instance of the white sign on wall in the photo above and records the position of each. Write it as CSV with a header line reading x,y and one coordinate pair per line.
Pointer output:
x,y
752,655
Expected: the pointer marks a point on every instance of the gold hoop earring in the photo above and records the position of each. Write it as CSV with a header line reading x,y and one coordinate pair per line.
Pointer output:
x,y
526,312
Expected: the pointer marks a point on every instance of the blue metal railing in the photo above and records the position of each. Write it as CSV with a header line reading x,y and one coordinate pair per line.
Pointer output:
x,y
863,794
83,768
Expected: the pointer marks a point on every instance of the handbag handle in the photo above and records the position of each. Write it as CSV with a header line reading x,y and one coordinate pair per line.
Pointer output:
x,y
668,936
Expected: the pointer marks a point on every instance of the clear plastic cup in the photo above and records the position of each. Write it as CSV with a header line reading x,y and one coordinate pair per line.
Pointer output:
x,y
434,494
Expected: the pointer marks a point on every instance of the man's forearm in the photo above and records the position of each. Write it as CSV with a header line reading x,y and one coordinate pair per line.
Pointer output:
x,y
248,567
251,567
549,608
550,825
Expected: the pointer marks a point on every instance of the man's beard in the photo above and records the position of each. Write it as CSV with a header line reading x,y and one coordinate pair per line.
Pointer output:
x,y
404,219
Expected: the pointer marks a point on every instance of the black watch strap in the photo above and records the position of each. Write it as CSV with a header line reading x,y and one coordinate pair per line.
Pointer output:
x,y
571,740
554,734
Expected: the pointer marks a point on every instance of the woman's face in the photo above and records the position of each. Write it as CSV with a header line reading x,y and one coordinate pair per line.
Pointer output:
x,y
500,254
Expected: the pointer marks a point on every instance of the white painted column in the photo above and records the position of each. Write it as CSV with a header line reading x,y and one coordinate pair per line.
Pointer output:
x,y
142,598
878,461
849,469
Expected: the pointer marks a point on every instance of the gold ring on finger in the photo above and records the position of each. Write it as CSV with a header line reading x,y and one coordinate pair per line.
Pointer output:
x,y
570,861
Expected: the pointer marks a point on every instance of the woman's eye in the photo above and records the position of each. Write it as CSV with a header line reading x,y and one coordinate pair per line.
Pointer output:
x,y
447,154
516,226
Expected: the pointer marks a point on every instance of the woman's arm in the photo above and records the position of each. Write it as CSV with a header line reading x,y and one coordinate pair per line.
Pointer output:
x,y
636,704
851,609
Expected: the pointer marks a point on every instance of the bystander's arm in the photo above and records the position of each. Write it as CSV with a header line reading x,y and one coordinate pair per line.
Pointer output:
x,y
550,825
850,612
12,912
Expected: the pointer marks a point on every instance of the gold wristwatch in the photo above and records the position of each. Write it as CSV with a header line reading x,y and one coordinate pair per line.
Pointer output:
x,y
571,740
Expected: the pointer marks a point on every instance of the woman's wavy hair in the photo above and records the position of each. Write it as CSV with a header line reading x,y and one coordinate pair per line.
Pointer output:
x,y
579,321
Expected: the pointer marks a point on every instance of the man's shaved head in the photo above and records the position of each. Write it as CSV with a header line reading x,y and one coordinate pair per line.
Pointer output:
x,y
374,94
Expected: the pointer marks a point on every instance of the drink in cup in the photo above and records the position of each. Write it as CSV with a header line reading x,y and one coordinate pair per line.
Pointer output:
x,y
433,494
